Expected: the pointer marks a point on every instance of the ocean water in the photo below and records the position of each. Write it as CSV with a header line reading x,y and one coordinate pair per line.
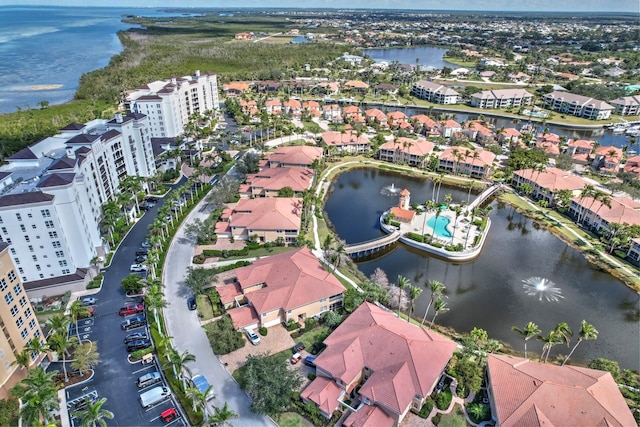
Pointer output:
x,y
45,50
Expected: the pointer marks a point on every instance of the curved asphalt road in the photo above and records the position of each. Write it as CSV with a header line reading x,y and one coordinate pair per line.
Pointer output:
x,y
183,325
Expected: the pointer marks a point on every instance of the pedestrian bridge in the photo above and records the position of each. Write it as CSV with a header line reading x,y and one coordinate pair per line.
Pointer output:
x,y
483,196
369,247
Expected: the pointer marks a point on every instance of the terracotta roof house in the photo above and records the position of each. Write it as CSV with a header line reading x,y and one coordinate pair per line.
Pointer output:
x,y
580,150
375,116
476,163
607,159
509,136
526,393
549,143
249,107
598,214
425,125
293,107
313,107
273,106
266,218
332,112
434,92
547,183
449,127
290,285
633,166
235,88
296,156
577,105
355,85
352,113
398,119
406,150
478,132
268,182
376,359
347,142
382,88
243,36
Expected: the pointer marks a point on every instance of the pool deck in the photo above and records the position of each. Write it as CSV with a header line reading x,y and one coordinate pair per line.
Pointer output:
x,y
459,232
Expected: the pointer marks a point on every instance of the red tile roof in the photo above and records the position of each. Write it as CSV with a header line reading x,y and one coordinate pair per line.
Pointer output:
x,y
324,393
267,214
369,416
347,138
392,349
426,120
485,157
527,393
553,179
296,155
274,179
243,316
419,147
291,279
622,210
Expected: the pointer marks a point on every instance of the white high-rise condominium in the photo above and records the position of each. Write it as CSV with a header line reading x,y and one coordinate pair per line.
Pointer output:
x,y
51,195
170,103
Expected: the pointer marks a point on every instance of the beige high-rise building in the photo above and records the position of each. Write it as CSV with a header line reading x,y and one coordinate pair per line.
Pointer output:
x,y
18,323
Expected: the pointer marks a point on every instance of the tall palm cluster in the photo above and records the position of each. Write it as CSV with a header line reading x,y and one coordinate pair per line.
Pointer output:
x,y
561,334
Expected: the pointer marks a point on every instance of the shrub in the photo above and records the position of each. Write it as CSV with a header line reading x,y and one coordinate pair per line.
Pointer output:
x,y
436,244
311,376
309,324
426,409
199,259
223,338
415,236
394,223
291,325
443,399
263,331
436,419
139,353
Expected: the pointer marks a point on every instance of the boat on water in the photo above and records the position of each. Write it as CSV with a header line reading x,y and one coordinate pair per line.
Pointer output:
x,y
618,128
633,131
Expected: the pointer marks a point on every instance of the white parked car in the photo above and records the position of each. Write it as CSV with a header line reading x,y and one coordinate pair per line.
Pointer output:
x,y
253,337
137,268
88,300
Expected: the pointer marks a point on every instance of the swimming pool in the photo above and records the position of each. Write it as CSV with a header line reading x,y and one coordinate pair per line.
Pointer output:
x,y
440,224
540,114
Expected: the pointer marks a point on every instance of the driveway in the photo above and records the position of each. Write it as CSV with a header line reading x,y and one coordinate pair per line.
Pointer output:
x,y
277,340
184,326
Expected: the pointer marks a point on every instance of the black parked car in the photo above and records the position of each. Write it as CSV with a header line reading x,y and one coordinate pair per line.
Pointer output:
x,y
142,251
141,258
134,322
135,337
191,303
138,345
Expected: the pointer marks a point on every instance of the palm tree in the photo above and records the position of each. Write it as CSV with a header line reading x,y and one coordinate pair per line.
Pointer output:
x,y
437,290
549,341
587,332
39,397
62,343
221,416
58,323
439,307
587,191
78,311
178,362
529,331
155,300
200,399
403,282
414,292
23,359
438,212
93,415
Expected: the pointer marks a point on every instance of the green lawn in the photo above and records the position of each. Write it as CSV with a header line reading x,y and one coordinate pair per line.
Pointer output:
x,y
309,338
312,127
262,252
291,419
204,307
454,419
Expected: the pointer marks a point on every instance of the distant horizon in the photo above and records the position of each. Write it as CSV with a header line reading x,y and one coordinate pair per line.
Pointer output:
x,y
472,6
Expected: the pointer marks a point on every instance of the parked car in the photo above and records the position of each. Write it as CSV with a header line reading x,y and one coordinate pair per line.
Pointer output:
x,y
201,383
168,415
142,251
135,336
145,244
138,345
134,322
89,313
135,268
148,379
88,300
153,396
298,347
146,205
141,258
295,358
310,361
253,337
131,309
191,303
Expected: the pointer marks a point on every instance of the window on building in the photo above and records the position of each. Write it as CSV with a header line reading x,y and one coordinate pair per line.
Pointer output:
x,y
19,217
45,213
26,238
53,235
3,285
17,260
8,241
34,355
4,230
30,248
1,221
19,322
27,313
12,276
66,271
8,297
36,334
56,244
13,251
63,263
34,258
32,324
17,289
24,334
60,254
38,268
29,215
14,311
23,228
48,224
23,301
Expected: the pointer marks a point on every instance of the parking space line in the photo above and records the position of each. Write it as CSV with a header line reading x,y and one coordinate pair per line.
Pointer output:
x,y
142,369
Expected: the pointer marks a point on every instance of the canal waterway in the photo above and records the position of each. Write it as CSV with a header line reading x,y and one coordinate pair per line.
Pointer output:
x,y
427,56
490,292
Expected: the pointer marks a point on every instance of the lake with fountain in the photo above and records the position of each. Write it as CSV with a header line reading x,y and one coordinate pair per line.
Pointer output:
x,y
523,273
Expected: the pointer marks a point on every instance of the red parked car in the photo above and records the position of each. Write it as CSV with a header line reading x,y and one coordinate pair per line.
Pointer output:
x,y
131,309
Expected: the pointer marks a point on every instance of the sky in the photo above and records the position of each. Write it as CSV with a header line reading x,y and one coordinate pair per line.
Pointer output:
x,y
489,5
